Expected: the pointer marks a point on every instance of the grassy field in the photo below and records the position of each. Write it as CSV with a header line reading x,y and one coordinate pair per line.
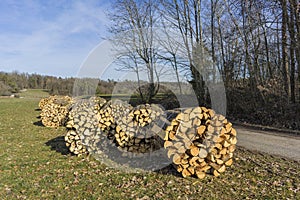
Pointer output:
x,y
34,93
34,164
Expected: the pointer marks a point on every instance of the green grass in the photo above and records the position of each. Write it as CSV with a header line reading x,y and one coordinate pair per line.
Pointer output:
x,y
30,169
34,93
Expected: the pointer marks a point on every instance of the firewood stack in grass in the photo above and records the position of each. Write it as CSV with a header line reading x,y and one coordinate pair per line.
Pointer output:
x,y
111,114
53,98
104,145
55,110
137,131
43,102
200,142
197,140
82,121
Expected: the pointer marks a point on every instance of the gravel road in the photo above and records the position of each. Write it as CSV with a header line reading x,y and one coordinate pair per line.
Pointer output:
x,y
281,144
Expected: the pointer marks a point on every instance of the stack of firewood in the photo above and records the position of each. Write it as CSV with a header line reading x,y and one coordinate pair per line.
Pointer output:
x,y
93,122
135,132
54,98
43,102
74,143
200,142
111,114
55,110
197,140
82,119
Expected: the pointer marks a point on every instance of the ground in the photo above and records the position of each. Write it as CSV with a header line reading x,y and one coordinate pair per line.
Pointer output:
x,y
34,164
285,144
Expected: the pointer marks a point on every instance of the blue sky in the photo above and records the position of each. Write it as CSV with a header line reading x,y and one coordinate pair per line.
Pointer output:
x,y
50,37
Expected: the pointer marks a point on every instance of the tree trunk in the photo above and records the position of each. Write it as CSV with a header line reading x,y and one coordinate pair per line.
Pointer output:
x,y
293,47
266,42
285,64
222,49
212,38
296,7
176,72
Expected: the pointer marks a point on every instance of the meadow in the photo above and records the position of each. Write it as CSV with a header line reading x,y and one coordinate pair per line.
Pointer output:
x,y
35,164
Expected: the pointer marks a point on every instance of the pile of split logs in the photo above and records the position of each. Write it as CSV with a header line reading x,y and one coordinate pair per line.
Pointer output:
x,y
200,142
112,113
81,122
55,110
135,132
197,140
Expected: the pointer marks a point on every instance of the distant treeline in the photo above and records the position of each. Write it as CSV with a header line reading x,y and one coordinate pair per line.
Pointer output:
x,y
13,82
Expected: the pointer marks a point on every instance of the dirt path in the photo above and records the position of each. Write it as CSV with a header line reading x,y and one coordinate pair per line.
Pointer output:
x,y
281,144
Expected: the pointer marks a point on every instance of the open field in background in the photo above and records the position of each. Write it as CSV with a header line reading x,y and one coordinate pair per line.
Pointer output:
x,y
34,164
34,93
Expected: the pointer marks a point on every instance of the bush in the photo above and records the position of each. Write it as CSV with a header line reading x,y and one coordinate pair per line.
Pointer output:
x,y
4,89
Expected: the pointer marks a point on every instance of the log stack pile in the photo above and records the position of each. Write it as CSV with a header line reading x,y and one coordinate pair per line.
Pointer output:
x,y
111,114
101,142
91,125
199,142
74,143
43,102
55,110
135,132
53,98
82,120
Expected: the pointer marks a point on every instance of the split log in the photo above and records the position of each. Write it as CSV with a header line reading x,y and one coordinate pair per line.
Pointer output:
x,y
200,142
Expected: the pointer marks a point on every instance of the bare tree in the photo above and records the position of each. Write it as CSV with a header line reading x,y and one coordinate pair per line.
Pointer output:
x,y
297,23
133,24
129,62
169,53
250,42
185,16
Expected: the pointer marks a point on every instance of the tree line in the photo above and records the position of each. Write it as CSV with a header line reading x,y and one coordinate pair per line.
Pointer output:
x,y
14,82
253,44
